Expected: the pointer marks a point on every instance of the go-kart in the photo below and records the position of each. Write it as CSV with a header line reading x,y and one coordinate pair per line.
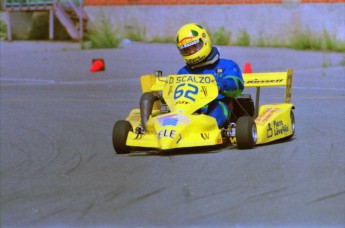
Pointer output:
x,y
171,119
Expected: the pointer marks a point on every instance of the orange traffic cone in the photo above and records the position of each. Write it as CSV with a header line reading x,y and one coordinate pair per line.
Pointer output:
x,y
247,68
97,65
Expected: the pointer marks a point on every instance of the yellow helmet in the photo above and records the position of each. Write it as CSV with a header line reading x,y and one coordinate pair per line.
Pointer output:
x,y
194,43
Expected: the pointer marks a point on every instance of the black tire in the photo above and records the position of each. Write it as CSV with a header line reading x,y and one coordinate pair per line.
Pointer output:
x,y
246,133
292,119
120,133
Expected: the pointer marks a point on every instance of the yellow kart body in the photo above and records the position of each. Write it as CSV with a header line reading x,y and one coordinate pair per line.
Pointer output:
x,y
181,126
184,95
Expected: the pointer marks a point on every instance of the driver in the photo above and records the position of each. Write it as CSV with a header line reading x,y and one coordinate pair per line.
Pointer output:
x,y
194,44
201,57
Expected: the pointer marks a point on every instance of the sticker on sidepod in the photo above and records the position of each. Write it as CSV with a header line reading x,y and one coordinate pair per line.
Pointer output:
x,y
279,128
173,120
266,115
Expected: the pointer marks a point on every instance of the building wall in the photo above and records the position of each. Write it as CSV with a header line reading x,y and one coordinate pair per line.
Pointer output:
x,y
273,20
197,2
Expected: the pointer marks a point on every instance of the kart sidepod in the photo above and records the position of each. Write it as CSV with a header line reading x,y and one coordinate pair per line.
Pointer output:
x,y
273,121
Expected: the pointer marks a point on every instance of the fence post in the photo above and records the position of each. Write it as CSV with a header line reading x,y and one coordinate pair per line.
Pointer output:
x,y
9,30
81,19
51,23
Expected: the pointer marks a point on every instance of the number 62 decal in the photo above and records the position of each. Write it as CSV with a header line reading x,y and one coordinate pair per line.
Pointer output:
x,y
187,93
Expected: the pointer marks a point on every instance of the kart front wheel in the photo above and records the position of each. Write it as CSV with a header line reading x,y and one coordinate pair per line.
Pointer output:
x,y
246,134
120,133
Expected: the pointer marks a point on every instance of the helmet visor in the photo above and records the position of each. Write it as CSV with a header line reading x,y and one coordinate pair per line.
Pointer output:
x,y
195,46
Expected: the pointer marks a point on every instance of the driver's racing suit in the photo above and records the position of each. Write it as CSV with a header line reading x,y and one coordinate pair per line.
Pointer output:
x,y
230,83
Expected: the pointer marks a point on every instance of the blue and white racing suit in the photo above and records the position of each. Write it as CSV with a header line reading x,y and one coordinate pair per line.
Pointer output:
x,y
230,83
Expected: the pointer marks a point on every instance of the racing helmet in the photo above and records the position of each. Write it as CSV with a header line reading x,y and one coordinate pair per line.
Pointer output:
x,y
194,43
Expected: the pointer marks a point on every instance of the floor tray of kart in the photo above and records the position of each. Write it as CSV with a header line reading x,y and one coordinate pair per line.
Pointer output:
x,y
168,117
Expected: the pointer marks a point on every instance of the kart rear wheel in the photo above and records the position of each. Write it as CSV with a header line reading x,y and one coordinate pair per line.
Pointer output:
x,y
120,133
246,134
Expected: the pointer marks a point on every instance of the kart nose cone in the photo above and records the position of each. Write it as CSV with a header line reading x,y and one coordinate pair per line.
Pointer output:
x,y
169,139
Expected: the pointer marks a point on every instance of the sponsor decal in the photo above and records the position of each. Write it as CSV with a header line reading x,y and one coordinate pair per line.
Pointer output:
x,y
278,128
266,115
181,102
204,90
190,78
205,136
269,131
220,70
169,134
166,133
257,81
170,122
196,60
173,120
188,44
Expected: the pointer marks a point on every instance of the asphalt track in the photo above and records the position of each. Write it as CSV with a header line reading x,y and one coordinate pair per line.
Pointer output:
x,y
58,167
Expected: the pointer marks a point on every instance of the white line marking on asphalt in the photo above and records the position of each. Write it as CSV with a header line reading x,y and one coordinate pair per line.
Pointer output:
x,y
317,88
24,80
312,88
